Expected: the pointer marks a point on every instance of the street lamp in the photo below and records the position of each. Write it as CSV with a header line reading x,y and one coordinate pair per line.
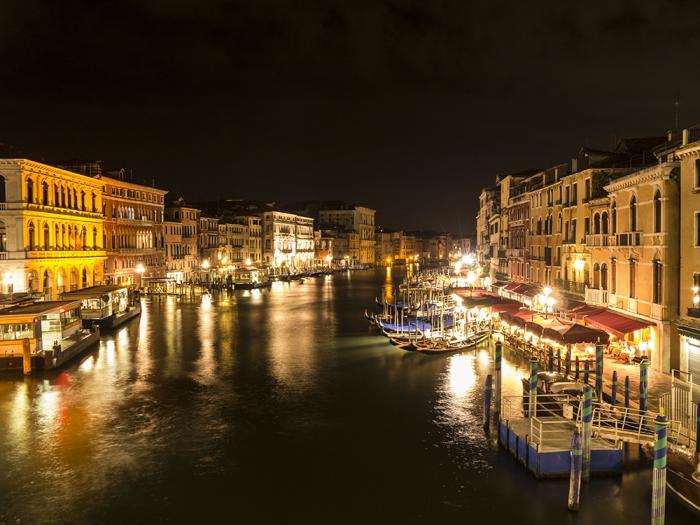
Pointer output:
x,y
579,264
139,270
9,281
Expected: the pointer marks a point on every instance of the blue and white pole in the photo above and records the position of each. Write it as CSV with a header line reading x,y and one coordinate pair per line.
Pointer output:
x,y
643,385
613,400
599,369
586,371
575,472
658,491
532,391
586,427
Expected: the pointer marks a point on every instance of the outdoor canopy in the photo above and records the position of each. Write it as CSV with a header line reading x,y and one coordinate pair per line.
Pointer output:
x,y
616,324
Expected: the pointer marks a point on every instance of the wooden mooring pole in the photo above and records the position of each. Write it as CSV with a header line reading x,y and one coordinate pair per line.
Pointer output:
x,y
497,362
488,388
532,391
599,370
613,399
586,427
658,490
575,472
26,357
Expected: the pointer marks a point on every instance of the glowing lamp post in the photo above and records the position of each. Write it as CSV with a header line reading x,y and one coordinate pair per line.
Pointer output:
x,y
9,282
696,297
471,278
139,270
328,260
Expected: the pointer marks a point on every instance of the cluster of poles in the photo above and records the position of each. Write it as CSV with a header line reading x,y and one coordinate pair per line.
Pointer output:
x,y
580,452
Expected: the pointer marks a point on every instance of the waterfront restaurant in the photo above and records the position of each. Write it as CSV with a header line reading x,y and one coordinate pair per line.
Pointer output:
x,y
51,327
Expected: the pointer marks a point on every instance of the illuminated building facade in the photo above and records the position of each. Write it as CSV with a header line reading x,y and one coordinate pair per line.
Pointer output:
x,y
357,219
288,241
134,236
51,229
188,217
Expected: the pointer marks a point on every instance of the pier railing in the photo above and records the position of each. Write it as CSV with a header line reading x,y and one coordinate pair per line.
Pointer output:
x,y
627,424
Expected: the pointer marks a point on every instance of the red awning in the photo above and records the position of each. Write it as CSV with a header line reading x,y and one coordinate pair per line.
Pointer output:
x,y
504,307
512,286
528,290
616,324
584,311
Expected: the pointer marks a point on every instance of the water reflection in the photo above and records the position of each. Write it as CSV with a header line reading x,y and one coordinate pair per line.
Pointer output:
x,y
203,410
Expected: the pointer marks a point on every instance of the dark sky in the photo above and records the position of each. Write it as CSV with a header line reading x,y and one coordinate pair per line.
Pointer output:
x,y
408,107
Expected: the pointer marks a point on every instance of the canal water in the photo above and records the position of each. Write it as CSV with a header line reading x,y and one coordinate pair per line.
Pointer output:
x,y
276,406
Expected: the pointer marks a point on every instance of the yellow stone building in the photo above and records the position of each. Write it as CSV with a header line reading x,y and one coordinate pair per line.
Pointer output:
x,y
51,229
134,236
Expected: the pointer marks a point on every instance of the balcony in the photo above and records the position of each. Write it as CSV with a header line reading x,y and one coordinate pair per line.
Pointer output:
x,y
570,286
694,312
597,239
596,296
629,239
516,252
659,311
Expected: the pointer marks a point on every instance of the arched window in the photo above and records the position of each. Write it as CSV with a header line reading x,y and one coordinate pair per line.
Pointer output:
x,y
63,197
604,223
94,203
32,238
94,237
75,199
3,237
56,195
2,189
85,278
596,276
633,278
30,190
657,211
613,218
47,239
83,238
613,276
82,200
45,193
596,224
633,214
603,276
56,237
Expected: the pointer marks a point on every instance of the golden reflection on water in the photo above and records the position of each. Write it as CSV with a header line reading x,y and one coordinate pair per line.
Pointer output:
x,y
461,374
206,319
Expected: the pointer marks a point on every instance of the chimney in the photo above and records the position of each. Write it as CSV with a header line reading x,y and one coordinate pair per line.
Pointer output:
x,y
574,165
685,137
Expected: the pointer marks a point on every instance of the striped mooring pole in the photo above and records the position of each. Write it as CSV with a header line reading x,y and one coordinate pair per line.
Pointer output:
x,y
613,398
658,490
578,370
599,369
568,361
587,420
643,385
488,387
497,363
575,471
586,371
550,360
627,391
532,390
559,360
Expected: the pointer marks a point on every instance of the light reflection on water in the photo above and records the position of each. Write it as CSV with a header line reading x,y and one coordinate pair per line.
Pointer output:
x,y
267,405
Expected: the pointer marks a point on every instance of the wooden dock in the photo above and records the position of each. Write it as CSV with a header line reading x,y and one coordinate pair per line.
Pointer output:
x,y
549,457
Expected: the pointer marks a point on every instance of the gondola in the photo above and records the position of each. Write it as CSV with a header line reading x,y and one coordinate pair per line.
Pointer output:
x,y
450,346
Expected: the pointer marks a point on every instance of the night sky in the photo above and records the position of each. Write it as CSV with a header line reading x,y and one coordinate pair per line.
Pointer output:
x,y
408,107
